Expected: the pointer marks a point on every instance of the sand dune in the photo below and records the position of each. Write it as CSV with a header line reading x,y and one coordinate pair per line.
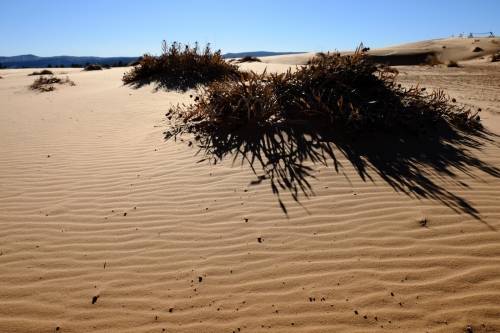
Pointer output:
x,y
96,206
441,50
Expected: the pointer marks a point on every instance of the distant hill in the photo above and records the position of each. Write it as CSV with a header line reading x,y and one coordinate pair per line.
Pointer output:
x,y
32,61
256,54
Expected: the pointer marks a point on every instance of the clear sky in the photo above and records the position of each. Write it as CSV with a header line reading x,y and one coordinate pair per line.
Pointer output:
x,y
130,28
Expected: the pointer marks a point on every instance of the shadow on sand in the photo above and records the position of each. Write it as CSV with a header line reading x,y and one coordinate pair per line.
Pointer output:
x,y
421,166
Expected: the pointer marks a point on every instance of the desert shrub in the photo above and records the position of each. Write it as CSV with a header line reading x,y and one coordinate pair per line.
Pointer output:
x,y
93,67
42,72
181,67
344,94
249,59
452,63
495,57
45,84
280,123
477,49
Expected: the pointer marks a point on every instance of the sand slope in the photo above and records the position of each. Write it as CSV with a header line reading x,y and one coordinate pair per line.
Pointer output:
x,y
442,50
93,202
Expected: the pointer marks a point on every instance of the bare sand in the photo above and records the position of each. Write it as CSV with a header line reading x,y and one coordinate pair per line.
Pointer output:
x,y
95,207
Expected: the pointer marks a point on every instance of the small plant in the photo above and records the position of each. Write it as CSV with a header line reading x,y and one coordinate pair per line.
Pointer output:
x,y
423,222
42,72
452,63
495,57
477,49
92,67
181,67
45,84
249,59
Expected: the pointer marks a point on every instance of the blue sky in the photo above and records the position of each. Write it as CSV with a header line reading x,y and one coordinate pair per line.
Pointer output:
x,y
129,28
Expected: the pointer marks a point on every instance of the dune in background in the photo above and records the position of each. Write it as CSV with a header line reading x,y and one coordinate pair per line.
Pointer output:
x,y
431,51
105,227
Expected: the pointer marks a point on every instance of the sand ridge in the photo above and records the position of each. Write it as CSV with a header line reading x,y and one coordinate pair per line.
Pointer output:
x,y
95,205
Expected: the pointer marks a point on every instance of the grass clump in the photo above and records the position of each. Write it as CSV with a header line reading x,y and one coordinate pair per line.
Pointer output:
x,y
495,57
348,94
452,64
42,72
249,59
45,84
93,67
336,105
181,67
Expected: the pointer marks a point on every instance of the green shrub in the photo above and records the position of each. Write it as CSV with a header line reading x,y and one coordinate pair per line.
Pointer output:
x,y
181,67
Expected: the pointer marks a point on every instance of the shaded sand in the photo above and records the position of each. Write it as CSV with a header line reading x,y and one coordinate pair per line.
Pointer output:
x,y
96,207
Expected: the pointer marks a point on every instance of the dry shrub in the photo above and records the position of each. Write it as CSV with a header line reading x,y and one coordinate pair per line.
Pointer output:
x,y
452,63
181,67
477,49
43,72
93,67
495,57
45,84
280,123
348,94
249,59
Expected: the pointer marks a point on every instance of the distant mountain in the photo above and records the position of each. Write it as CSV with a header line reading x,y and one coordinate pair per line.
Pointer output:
x,y
32,61
256,54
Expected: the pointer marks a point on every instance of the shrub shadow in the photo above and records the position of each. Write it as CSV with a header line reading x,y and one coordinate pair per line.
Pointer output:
x,y
420,166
